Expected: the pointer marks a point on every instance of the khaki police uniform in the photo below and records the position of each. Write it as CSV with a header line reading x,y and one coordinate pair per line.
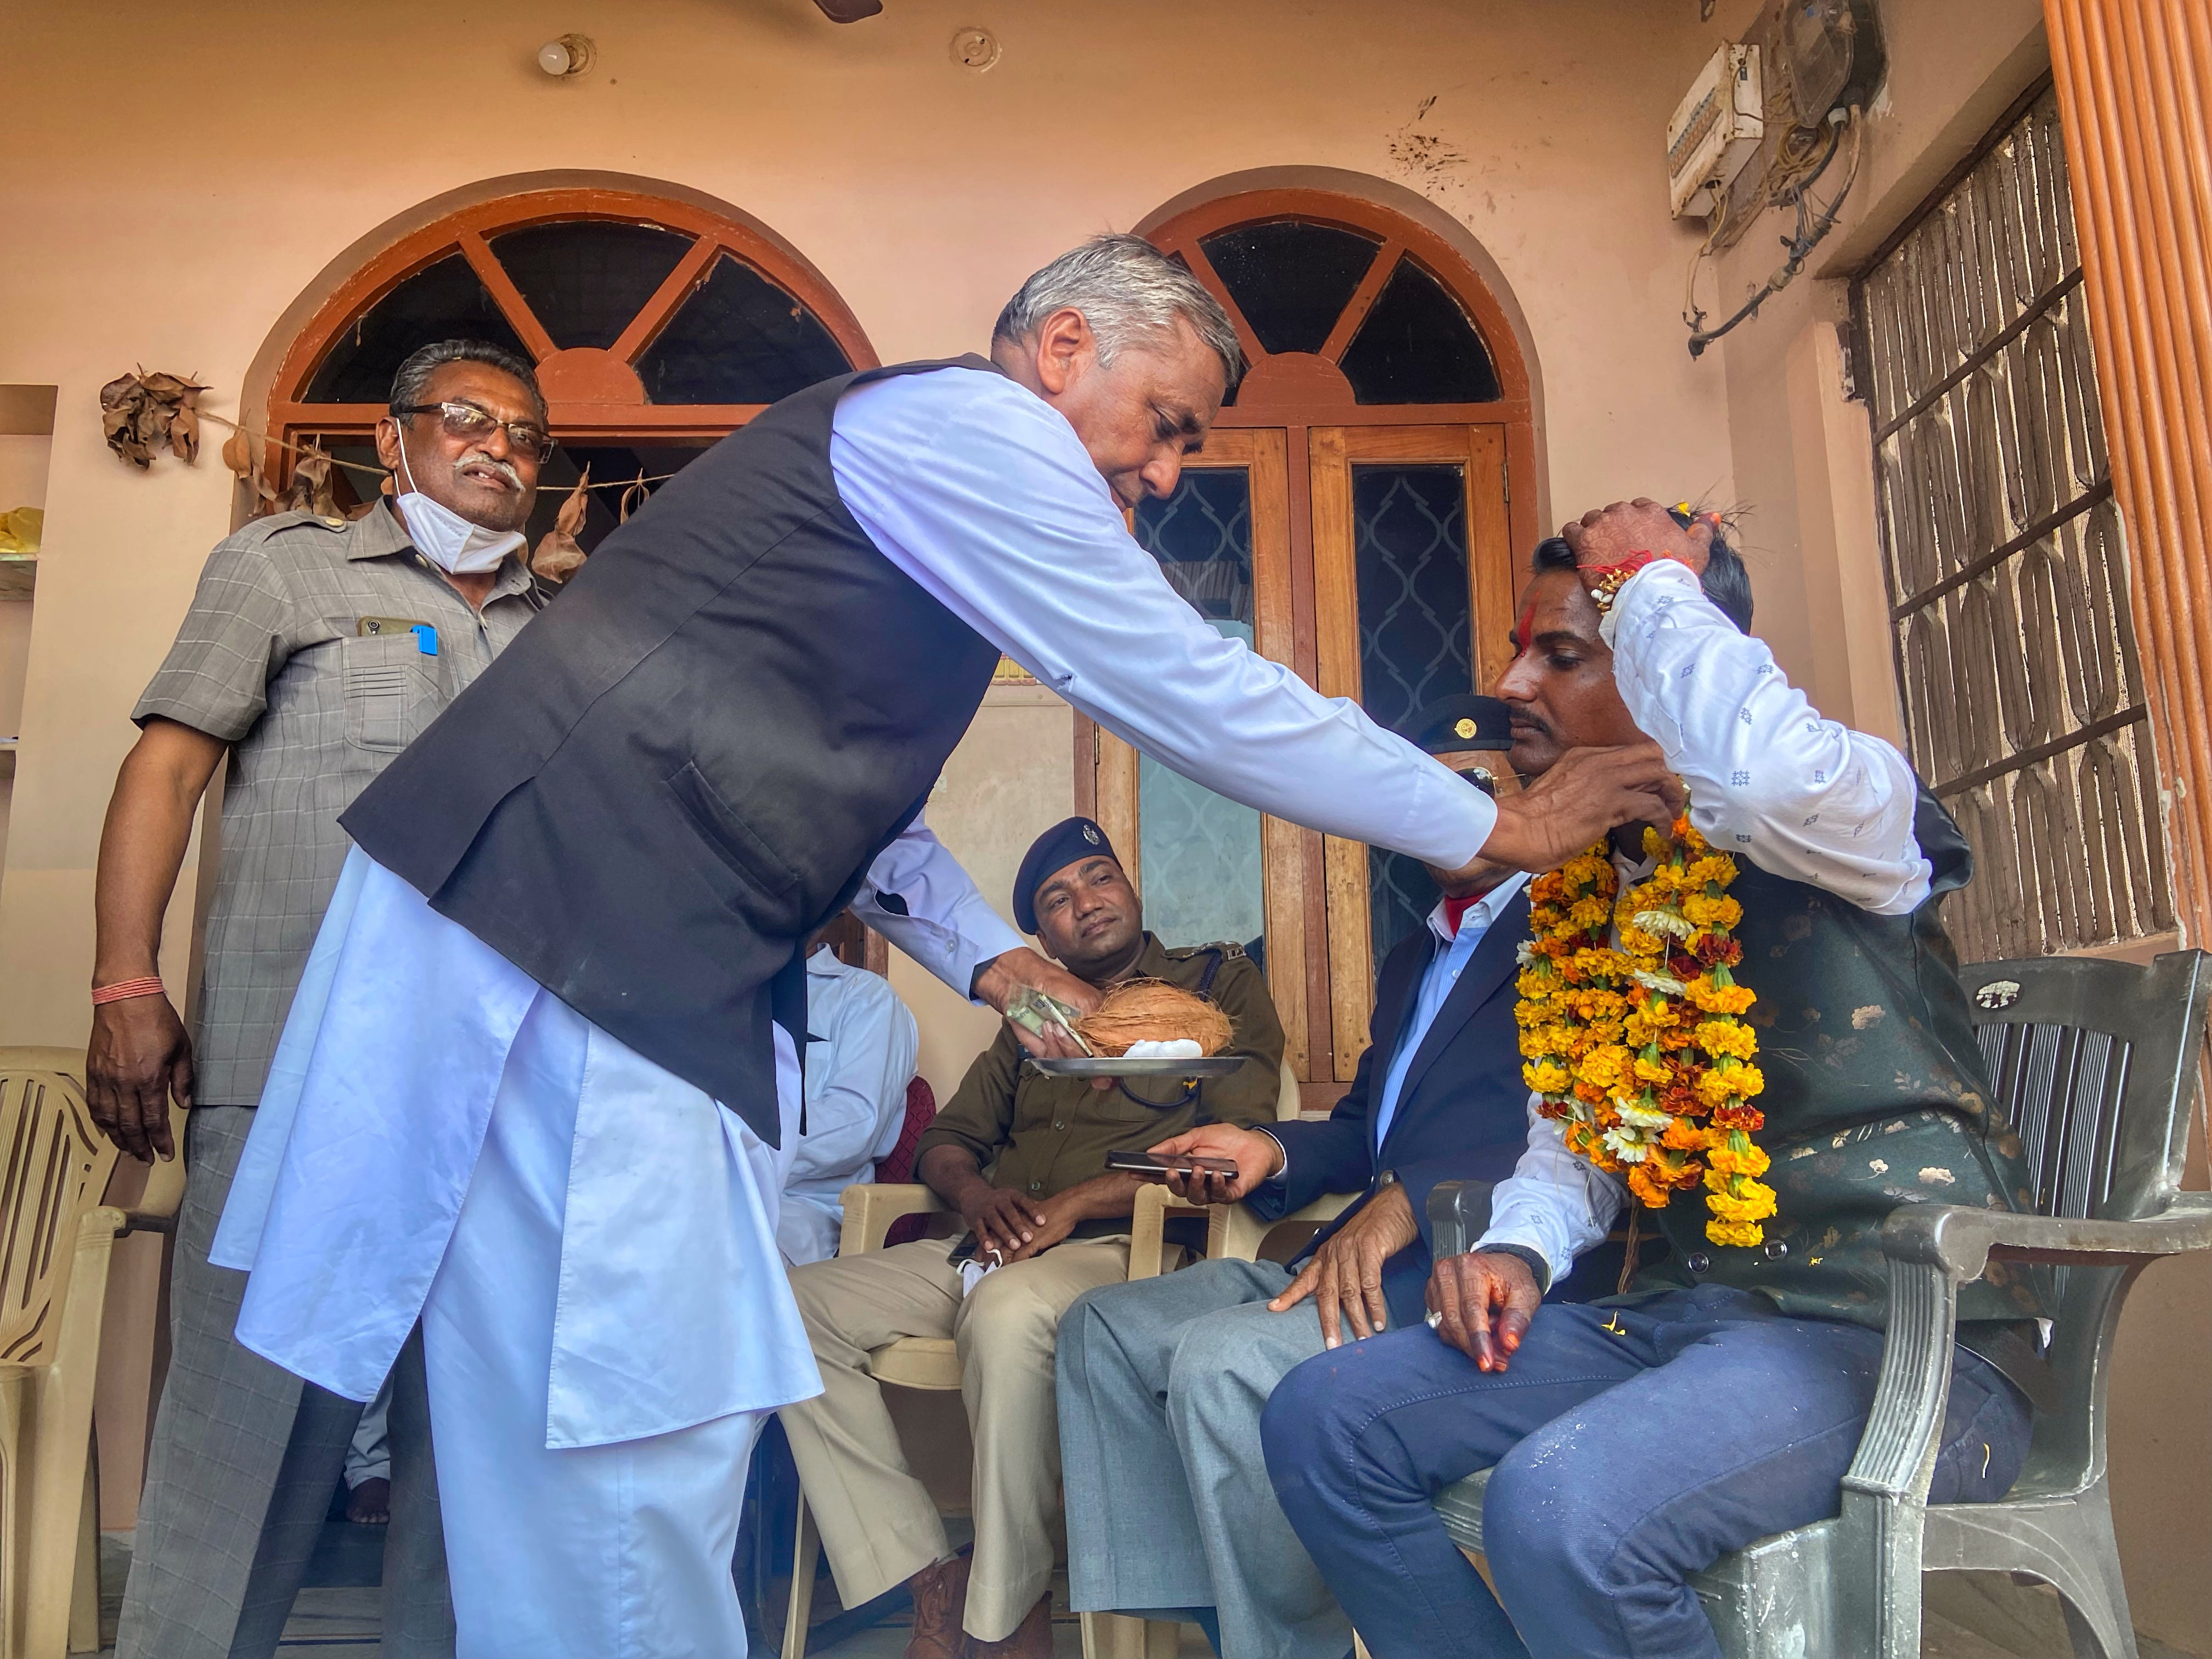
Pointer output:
x,y
1039,1136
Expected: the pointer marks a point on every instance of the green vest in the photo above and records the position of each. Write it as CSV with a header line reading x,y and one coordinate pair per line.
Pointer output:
x,y
1876,1096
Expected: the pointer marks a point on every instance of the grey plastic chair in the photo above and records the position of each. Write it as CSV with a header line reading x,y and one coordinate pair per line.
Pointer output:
x,y
2096,1062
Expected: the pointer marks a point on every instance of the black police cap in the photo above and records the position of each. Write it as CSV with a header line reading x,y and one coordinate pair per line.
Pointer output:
x,y
1461,720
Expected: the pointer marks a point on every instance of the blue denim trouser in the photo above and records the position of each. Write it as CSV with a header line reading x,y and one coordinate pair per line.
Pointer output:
x,y
1627,1459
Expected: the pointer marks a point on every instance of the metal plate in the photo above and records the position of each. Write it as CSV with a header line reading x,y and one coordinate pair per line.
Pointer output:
x,y
1108,1065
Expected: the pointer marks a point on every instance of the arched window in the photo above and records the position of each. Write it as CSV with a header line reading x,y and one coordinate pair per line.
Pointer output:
x,y
657,327
1353,516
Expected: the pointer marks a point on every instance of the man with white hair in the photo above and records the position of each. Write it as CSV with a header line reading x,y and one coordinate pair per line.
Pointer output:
x,y
540,1081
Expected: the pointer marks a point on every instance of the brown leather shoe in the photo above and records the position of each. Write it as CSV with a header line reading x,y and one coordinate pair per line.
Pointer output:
x,y
1032,1637
940,1594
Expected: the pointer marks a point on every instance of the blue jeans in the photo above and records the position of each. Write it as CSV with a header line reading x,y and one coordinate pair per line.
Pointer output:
x,y
1627,1459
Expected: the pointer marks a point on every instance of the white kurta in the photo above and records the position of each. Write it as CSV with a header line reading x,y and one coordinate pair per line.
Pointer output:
x,y
673,1307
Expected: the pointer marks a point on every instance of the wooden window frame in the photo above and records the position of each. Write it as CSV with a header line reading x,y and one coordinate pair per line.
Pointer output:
x,y
1305,399
593,395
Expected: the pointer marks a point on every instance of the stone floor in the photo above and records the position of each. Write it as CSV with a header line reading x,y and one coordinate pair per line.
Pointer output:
x,y
1968,1616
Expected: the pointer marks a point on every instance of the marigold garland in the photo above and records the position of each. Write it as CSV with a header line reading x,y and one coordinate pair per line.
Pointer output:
x,y
1637,1048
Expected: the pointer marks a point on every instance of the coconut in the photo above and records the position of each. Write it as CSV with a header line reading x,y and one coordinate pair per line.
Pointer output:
x,y
1152,1010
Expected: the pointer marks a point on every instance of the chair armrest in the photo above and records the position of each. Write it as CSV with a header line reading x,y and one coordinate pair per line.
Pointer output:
x,y
1148,1221
1234,1233
1459,1213
1960,1241
872,1207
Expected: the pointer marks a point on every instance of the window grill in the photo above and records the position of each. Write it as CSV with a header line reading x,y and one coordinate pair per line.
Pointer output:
x,y
2006,561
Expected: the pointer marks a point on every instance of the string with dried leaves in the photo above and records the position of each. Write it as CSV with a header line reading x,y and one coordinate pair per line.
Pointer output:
x,y
1153,1010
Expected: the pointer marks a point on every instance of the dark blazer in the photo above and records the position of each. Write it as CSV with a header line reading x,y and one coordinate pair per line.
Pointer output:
x,y
1462,1113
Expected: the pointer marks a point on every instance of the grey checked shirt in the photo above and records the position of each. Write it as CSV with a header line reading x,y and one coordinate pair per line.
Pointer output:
x,y
271,659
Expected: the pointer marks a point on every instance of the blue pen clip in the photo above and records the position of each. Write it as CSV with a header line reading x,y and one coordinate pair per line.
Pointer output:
x,y
426,638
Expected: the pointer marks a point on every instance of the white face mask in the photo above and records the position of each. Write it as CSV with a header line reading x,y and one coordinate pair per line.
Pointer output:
x,y
443,536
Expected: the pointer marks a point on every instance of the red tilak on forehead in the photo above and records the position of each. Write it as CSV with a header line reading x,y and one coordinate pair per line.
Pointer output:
x,y
1524,633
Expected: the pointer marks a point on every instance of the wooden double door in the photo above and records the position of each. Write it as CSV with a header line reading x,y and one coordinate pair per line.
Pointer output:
x,y
1375,560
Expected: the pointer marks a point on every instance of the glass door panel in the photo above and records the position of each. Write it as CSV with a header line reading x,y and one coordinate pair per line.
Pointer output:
x,y
1199,851
1208,867
1416,637
1413,577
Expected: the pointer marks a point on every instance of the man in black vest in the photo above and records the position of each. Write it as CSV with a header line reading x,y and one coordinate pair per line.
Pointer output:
x,y
1637,1440
536,1084
1161,1380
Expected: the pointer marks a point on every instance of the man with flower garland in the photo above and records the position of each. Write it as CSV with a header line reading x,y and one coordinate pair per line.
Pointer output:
x,y
1635,1442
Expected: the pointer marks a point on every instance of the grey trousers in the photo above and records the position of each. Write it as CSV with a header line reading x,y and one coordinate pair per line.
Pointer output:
x,y
245,1458
1169,1504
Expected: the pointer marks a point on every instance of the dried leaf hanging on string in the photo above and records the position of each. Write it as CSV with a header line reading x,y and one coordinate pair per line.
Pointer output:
x,y
312,490
559,555
140,413
243,456
634,496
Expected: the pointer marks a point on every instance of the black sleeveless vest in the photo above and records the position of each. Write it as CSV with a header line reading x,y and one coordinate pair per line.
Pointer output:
x,y
687,764
1876,1096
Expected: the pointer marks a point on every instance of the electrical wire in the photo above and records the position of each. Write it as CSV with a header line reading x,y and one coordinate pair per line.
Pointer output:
x,y
1813,224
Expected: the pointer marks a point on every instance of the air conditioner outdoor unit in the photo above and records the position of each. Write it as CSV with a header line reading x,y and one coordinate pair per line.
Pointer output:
x,y
1716,129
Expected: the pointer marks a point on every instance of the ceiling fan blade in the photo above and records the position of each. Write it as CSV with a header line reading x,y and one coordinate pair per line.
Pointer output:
x,y
849,11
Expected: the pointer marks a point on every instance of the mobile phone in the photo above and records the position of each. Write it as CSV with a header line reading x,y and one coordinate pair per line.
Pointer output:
x,y
1157,1163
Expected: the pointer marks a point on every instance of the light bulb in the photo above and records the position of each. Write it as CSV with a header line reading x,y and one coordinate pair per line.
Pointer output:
x,y
553,57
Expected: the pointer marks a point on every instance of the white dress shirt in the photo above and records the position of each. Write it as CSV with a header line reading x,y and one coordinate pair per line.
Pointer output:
x,y
1771,782
982,492
861,1047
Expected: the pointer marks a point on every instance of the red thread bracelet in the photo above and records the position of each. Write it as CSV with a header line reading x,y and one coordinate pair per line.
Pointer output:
x,y
124,989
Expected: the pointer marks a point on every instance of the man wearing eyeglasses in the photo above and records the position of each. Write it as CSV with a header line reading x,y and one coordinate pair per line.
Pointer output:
x,y
314,651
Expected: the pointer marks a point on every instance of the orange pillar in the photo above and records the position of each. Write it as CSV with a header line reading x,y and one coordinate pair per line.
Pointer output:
x,y
2132,78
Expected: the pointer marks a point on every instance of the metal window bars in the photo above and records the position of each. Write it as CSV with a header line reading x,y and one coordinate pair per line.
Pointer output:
x,y
2006,561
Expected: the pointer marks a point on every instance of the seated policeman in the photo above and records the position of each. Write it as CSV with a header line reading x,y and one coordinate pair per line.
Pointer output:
x,y
1161,1380
1637,1442
1022,1158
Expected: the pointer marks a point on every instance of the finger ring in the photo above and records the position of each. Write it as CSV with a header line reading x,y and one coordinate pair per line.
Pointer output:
x,y
1435,1319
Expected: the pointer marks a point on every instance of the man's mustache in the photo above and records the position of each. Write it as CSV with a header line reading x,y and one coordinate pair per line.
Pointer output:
x,y
477,457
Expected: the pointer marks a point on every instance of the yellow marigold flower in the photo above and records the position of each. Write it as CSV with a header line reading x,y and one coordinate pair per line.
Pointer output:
x,y
1748,1080
1713,998
1726,1161
1711,912
1716,869
1548,1077
1582,872
1684,1136
1588,912
1651,1193
1658,1011
1741,1235
1604,1065
1724,1036
1740,1209
1653,1071
1714,1087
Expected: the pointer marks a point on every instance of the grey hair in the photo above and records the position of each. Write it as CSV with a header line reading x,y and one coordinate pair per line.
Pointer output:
x,y
1127,290
411,383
